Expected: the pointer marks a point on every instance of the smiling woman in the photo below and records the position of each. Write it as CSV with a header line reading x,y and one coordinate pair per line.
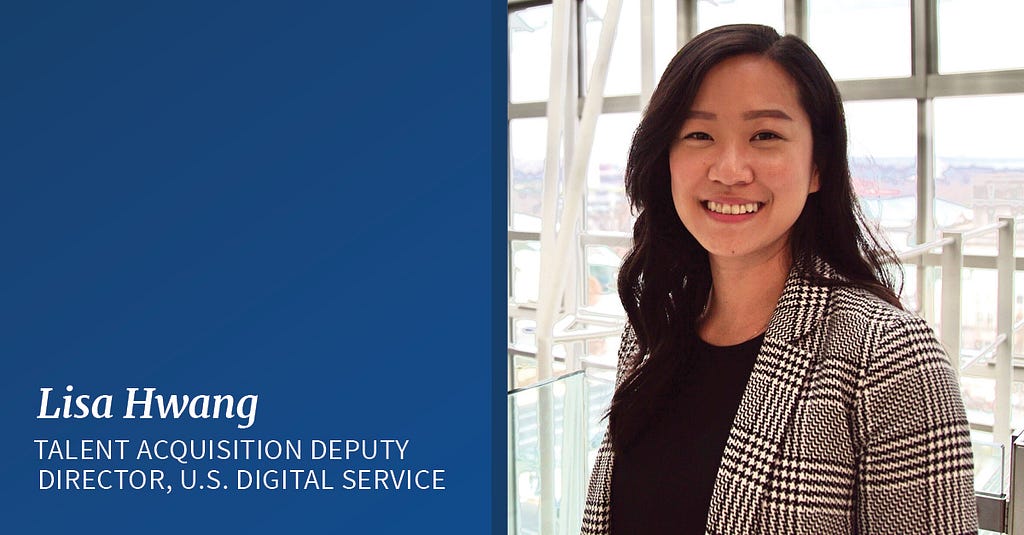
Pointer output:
x,y
746,121
769,380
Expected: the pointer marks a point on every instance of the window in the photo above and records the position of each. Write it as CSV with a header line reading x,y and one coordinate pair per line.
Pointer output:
x,y
857,39
932,103
717,13
944,129
527,146
883,164
607,208
979,166
979,35
624,67
529,32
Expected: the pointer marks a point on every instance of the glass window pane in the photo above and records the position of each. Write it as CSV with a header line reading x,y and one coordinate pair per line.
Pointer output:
x,y
528,146
711,13
525,368
979,399
977,310
883,164
624,65
524,333
928,293
525,371
607,208
980,35
603,264
988,468
529,53
1017,404
603,351
908,274
525,271
665,35
933,287
979,166
857,39
1018,310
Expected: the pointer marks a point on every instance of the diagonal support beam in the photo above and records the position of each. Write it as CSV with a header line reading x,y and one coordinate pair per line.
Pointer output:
x,y
555,261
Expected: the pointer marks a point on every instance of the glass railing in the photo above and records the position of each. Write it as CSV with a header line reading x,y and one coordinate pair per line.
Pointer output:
x,y
989,460
555,428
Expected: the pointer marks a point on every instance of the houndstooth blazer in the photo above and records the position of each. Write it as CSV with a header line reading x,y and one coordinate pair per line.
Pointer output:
x,y
851,423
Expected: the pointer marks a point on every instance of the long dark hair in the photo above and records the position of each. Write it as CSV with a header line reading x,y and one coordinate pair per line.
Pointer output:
x,y
665,279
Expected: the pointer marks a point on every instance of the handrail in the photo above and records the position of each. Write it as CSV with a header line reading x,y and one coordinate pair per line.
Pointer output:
x,y
587,333
924,248
521,352
984,352
977,231
591,316
545,382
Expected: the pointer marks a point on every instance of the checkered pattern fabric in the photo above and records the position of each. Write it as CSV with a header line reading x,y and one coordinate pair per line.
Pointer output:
x,y
851,423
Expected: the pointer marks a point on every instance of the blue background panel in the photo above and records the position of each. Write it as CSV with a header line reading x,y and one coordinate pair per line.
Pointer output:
x,y
294,200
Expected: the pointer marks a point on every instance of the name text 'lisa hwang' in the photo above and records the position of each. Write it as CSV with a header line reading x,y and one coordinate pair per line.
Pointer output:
x,y
149,404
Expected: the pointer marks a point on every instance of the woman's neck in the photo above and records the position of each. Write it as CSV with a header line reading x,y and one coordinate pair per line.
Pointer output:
x,y
743,298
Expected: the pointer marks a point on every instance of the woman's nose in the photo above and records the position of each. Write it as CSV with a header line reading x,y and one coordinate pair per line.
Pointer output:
x,y
731,166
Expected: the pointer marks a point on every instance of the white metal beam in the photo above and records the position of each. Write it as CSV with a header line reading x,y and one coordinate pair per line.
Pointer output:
x,y
646,51
554,259
1004,326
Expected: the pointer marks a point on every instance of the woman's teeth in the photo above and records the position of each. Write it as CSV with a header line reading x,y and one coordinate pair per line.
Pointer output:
x,y
733,209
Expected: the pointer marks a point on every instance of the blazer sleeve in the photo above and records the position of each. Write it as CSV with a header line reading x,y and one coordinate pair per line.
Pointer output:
x,y
915,465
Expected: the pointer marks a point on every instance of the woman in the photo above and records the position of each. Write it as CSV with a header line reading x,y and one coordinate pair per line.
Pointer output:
x,y
769,380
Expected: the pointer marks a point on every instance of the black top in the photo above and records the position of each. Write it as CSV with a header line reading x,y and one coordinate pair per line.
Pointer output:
x,y
662,483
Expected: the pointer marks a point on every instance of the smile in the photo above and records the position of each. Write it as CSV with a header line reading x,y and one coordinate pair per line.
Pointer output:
x,y
732,209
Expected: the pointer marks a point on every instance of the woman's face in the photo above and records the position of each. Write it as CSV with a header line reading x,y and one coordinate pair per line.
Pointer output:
x,y
741,164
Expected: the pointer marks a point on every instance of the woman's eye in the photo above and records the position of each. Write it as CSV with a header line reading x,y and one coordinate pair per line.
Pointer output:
x,y
700,136
765,136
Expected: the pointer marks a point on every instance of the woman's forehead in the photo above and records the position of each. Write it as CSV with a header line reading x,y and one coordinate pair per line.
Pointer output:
x,y
747,87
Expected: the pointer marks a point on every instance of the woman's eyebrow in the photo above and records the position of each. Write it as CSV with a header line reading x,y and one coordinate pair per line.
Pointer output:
x,y
704,115
772,114
747,115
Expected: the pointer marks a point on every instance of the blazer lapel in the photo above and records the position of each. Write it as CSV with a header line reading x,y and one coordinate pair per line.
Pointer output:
x,y
766,409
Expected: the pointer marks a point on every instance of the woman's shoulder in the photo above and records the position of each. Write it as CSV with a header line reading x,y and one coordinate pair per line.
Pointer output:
x,y
816,291
864,305
859,318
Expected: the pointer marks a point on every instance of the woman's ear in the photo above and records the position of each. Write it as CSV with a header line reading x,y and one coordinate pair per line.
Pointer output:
x,y
815,184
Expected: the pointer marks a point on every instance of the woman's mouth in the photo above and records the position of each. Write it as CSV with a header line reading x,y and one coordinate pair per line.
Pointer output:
x,y
732,209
